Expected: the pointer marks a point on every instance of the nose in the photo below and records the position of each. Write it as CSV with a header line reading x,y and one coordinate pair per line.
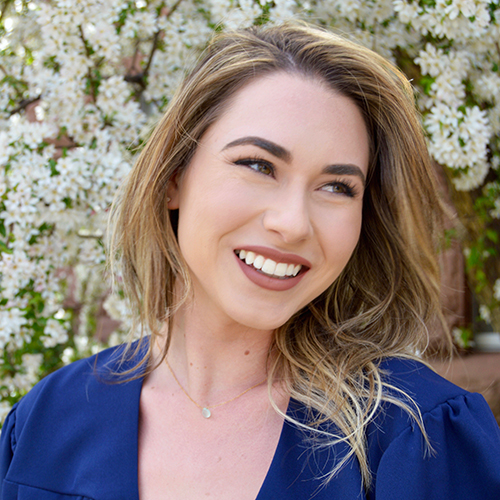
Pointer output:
x,y
288,215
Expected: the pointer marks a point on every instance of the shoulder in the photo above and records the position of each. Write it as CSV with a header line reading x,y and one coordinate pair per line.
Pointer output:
x,y
462,460
80,385
427,393
419,382
84,395
67,424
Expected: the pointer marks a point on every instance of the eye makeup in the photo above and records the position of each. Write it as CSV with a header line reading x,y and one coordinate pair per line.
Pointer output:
x,y
258,164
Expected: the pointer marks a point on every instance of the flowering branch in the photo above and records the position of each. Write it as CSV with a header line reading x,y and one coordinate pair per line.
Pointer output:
x,y
141,78
154,46
86,45
24,104
172,9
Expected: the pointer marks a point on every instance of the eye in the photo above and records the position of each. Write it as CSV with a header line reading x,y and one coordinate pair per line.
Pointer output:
x,y
259,165
340,187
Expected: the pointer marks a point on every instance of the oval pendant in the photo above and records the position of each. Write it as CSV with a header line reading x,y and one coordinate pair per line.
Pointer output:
x,y
206,412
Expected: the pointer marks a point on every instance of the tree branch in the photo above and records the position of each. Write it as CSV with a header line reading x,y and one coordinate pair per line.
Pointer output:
x,y
24,104
88,54
5,4
173,8
151,54
140,78
84,40
134,57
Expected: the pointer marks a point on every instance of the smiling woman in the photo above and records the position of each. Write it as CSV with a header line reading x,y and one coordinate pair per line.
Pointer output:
x,y
280,225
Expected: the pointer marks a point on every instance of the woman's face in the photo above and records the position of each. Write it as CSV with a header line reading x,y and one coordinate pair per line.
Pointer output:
x,y
270,204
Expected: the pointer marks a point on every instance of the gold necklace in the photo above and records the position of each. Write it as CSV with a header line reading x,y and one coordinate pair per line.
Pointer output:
x,y
205,410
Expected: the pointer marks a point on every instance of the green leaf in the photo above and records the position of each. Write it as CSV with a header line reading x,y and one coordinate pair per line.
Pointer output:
x,y
426,82
492,235
4,248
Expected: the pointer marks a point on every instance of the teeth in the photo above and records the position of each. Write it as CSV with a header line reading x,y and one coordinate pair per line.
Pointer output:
x,y
269,266
250,257
281,269
258,262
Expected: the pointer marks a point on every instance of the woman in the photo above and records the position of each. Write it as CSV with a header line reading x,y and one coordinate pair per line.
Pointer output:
x,y
277,237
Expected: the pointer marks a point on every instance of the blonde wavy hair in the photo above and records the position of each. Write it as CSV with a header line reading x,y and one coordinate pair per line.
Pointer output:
x,y
329,352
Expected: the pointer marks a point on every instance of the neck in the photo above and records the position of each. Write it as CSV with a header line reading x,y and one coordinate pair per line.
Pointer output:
x,y
214,360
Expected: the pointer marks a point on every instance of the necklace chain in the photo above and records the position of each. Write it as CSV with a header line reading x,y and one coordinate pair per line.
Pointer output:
x,y
205,410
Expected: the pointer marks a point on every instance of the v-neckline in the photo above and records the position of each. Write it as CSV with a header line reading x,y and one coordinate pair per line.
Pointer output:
x,y
286,429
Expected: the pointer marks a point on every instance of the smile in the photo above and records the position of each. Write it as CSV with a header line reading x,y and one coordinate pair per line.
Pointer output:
x,y
269,267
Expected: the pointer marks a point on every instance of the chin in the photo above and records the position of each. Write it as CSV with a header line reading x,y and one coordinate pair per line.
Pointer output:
x,y
266,321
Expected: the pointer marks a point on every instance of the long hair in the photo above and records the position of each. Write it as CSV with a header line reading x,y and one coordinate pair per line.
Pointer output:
x,y
329,352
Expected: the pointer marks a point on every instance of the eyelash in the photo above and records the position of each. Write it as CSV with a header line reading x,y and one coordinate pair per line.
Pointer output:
x,y
347,187
248,162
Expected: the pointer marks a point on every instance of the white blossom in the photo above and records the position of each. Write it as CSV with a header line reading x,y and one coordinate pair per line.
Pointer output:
x,y
24,379
141,24
485,313
54,333
496,289
11,323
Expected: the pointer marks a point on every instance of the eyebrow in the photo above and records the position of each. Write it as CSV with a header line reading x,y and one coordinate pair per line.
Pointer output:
x,y
285,155
346,170
271,147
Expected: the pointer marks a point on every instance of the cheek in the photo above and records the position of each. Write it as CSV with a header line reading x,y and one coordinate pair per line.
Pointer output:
x,y
341,241
208,210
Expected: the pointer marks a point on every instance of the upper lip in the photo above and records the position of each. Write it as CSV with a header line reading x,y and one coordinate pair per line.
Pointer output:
x,y
276,255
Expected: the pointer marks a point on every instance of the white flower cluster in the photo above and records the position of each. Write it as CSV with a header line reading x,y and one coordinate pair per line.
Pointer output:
x,y
119,310
183,34
450,19
234,14
459,134
26,377
12,322
61,163
464,53
460,140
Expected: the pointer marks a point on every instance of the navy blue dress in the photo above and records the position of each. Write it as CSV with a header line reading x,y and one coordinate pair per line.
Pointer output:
x,y
75,436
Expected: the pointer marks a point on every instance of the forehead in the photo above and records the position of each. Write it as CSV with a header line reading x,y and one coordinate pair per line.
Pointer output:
x,y
295,112
299,113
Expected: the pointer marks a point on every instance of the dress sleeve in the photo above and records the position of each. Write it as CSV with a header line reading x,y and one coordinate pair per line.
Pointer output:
x,y
463,465
7,446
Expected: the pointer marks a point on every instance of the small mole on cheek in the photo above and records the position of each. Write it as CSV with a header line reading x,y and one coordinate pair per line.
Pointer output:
x,y
190,364
247,353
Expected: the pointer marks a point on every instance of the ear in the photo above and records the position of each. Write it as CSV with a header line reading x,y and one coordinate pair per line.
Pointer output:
x,y
173,193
